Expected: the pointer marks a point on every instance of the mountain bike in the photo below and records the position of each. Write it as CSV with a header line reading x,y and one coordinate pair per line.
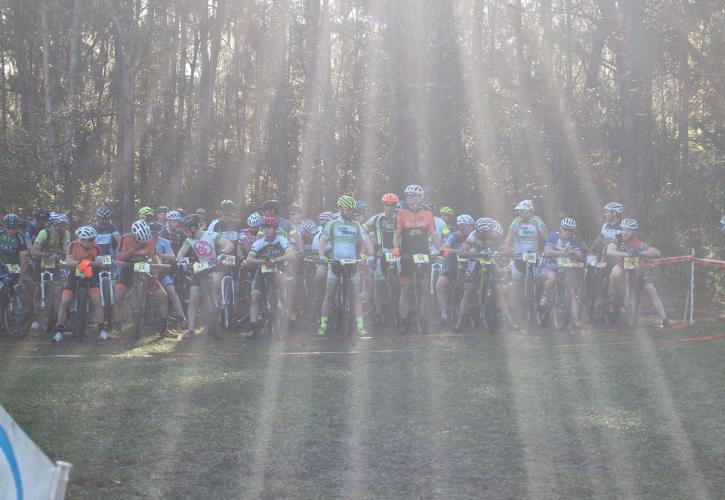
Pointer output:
x,y
527,264
15,302
487,293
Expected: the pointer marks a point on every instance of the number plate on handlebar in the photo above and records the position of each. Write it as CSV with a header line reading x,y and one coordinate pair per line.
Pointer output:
x,y
591,260
228,260
200,266
389,257
142,267
563,261
268,269
421,258
631,262
486,261
529,257
13,268
346,262
104,260
48,262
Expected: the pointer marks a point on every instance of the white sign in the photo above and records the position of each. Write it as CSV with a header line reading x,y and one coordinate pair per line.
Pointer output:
x,y
25,471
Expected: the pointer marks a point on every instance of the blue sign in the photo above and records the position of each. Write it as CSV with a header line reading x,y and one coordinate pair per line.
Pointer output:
x,y
7,448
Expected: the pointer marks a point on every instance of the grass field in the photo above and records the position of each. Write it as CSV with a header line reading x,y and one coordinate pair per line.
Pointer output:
x,y
599,414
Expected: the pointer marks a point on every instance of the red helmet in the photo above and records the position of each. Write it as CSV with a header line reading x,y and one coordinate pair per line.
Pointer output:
x,y
270,221
390,198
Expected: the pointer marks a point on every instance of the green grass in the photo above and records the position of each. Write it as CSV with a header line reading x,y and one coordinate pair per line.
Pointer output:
x,y
505,416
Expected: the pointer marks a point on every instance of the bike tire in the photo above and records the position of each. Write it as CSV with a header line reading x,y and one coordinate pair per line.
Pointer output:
x,y
140,311
82,312
489,303
529,298
17,316
227,314
631,301
271,305
48,311
560,306
421,307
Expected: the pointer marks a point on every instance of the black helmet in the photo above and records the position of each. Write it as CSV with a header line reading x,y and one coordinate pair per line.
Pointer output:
x,y
103,213
161,210
156,227
226,204
270,205
190,220
41,213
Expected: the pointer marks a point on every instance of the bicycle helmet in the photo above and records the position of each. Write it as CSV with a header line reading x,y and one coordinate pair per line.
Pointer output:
x,y
487,224
103,213
173,215
294,208
141,231
464,219
59,219
309,226
390,198
254,220
326,217
447,211
86,233
190,220
41,213
525,205
270,221
200,211
361,205
270,205
629,224
615,207
161,210
145,211
568,223
345,201
414,189
11,220
156,227
226,204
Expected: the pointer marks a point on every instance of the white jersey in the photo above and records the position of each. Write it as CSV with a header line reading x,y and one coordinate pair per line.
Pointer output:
x,y
205,247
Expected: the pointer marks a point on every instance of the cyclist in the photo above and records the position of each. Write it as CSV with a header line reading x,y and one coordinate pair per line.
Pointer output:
x,y
172,232
227,225
525,232
206,246
272,248
107,235
138,246
449,271
610,229
12,246
165,252
361,211
343,234
248,236
560,244
448,216
413,227
146,214
160,213
33,227
628,244
295,270
381,228
203,218
321,271
81,253
481,240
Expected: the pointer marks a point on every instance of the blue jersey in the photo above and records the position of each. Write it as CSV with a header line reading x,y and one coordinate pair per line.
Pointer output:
x,y
554,241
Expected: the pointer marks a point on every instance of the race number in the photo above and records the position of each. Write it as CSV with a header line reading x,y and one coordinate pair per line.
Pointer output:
x,y
421,258
631,262
529,257
268,269
486,261
13,268
563,261
48,262
228,260
200,266
591,260
142,267
105,260
389,257
346,262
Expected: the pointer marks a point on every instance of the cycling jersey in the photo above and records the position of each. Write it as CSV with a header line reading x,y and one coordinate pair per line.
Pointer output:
x,y
633,244
205,247
10,247
81,253
383,228
163,246
450,263
554,241
48,243
176,237
229,230
31,231
343,236
284,229
442,230
264,249
526,233
610,233
415,227
105,236
128,242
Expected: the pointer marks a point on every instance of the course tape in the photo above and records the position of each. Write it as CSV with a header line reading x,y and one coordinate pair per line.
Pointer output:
x,y
682,258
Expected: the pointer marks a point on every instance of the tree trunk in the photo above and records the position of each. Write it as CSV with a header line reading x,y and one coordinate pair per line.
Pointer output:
x,y
48,90
74,84
329,112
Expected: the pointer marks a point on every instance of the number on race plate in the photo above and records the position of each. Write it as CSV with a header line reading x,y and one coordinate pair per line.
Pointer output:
x,y
486,261
48,262
104,260
13,268
631,262
346,262
529,257
420,258
200,266
268,269
389,257
563,261
591,260
142,267
228,260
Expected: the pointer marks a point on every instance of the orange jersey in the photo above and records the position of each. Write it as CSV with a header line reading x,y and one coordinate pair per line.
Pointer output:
x,y
415,228
80,253
128,242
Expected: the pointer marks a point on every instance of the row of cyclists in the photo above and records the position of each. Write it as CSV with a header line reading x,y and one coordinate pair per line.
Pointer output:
x,y
367,246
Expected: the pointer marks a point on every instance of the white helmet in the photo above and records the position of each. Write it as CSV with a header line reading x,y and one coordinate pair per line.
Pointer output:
x,y
141,231
615,207
525,205
309,226
487,224
58,218
173,215
254,220
629,224
464,219
568,223
326,217
414,189
86,233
